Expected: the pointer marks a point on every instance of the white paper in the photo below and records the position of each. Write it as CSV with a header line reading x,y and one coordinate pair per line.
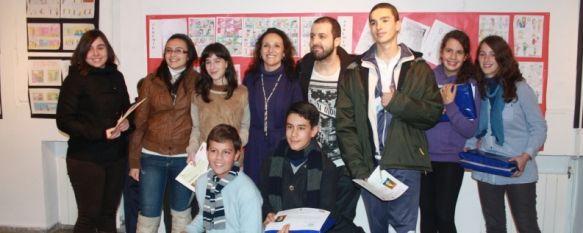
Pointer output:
x,y
528,35
299,219
43,8
43,100
365,40
494,25
160,31
533,73
306,23
202,32
346,23
383,185
430,48
192,172
44,72
413,33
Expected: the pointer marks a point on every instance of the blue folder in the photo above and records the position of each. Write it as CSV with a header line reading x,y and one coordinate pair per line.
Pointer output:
x,y
464,99
488,163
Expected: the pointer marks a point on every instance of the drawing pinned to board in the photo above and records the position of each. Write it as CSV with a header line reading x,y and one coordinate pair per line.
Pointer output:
x,y
528,35
345,22
75,9
44,72
412,33
430,47
533,73
43,8
306,23
43,101
291,27
229,33
160,31
494,25
202,32
253,27
44,36
72,33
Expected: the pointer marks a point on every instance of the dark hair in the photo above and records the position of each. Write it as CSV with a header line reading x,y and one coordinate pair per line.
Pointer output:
x,y
386,5
467,70
508,72
83,47
223,133
333,22
163,72
204,84
305,110
287,62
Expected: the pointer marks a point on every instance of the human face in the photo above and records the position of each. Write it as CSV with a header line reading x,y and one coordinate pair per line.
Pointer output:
x,y
216,67
383,26
299,132
322,43
487,59
97,54
176,54
272,51
222,156
452,56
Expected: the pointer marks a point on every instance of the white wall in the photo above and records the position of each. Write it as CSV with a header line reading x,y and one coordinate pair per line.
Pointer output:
x,y
27,201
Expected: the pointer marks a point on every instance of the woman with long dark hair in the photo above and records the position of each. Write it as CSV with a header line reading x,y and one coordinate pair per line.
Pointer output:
x,y
92,99
273,88
219,99
440,188
511,124
158,145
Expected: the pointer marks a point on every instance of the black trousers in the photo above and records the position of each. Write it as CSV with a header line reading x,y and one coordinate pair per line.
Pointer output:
x,y
346,199
439,194
97,188
522,201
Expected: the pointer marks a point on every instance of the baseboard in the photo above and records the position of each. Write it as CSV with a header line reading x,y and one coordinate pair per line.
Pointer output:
x,y
53,229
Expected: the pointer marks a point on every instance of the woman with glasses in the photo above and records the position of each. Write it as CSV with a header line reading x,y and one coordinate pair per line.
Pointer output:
x,y
163,124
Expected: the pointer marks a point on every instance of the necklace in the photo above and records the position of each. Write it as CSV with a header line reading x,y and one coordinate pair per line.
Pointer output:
x,y
266,101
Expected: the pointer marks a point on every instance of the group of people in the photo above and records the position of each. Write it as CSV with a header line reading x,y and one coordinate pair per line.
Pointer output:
x,y
295,135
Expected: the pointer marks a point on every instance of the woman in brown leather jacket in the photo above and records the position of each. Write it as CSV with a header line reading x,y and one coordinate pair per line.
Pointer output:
x,y
158,146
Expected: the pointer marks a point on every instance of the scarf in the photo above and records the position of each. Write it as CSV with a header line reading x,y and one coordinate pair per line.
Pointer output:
x,y
282,157
213,210
492,115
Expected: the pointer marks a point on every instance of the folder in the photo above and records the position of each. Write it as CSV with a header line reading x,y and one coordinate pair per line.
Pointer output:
x,y
464,99
488,163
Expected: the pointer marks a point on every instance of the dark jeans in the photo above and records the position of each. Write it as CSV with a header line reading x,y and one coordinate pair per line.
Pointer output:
x,y
400,213
346,199
97,188
522,201
439,193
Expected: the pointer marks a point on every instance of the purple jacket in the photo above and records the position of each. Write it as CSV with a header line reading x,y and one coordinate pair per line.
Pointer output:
x,y
447,139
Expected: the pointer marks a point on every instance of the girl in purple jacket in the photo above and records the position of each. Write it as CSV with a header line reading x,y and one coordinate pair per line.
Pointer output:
x,y
440,188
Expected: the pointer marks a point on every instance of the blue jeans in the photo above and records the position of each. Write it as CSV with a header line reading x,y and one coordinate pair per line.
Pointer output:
x,y
155,174
400,213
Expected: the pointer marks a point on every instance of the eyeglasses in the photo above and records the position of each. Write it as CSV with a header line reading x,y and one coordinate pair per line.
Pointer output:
x,y
175,51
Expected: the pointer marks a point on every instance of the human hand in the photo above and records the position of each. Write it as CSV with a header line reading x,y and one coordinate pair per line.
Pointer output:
x,y
135,174
521,161
123,125
284,229
387,96
448,93
112,133
269,218
191,158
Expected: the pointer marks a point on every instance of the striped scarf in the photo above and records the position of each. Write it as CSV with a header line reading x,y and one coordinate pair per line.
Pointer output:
x,y
213,210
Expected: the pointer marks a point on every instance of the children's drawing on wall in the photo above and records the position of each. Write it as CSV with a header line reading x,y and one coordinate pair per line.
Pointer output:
x,y
160,31
43,101
44,36
528,35
291,27
43,8
494,25
72,33
202,32
533,73
229,33
430,47
413,33
76,9
253,28
44,72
